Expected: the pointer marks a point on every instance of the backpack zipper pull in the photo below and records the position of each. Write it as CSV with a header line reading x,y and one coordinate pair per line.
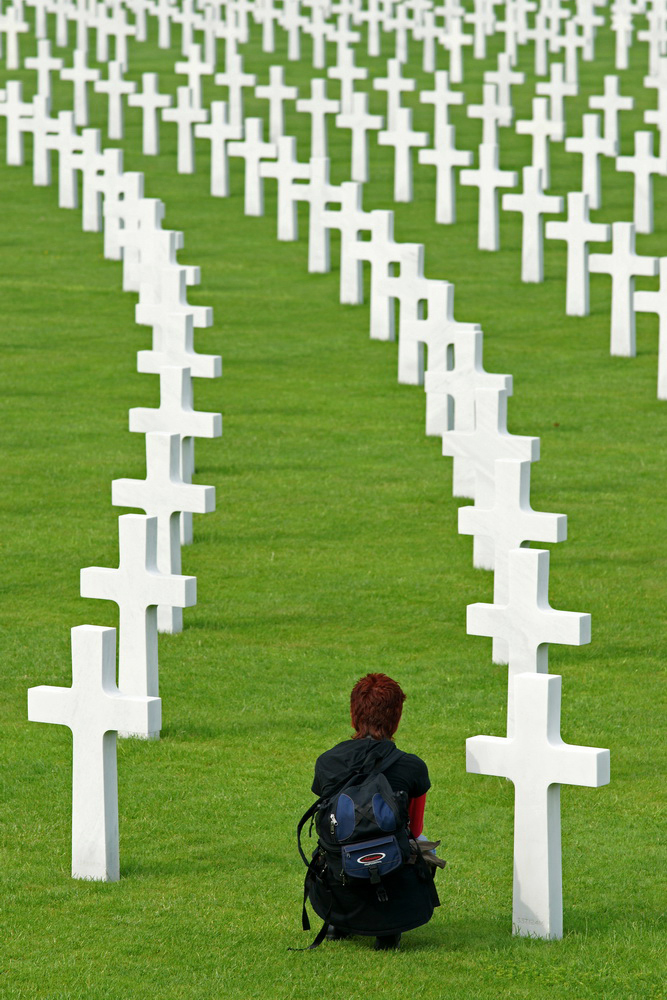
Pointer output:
x,y
333,824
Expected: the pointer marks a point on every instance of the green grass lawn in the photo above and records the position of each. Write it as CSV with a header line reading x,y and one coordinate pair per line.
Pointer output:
x,y
333,551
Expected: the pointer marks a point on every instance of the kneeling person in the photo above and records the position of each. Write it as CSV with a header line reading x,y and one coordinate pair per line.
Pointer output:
x,y
368,874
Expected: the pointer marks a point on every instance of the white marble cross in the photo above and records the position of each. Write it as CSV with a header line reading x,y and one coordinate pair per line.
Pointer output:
x,y
543,131
44,64
361,123
176,413
286,170
173,347
450,388
395,85
276,92
455,40
509,521
404,139
164,494
150,100
533,204
384,255
445,157
504,78
556,89
350,219
252,149
578,231
320,32
44,129
643,165
346,72
185,115
12,25
219,131
103,176
80,75
488,178
235,80
491,112
428,33
431,328
538,762
622,26
162,286
15,110
292,21
373,15
658,117
117,201
442,98
591,145
656,302
94,709
572,42
195,68
526,622
318,106
480,446
318,193
116,88
137,587
611,103
540,34
623,264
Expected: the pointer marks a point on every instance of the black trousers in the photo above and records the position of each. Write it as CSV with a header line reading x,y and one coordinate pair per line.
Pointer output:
x,y
411,893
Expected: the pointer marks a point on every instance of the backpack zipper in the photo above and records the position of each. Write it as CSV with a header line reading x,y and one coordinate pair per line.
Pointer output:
x,y
333,824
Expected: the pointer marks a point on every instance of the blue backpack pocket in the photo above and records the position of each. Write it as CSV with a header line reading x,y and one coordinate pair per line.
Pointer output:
x,y
372,858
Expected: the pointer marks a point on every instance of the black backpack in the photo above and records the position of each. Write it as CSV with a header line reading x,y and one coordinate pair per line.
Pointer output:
x,y
362,831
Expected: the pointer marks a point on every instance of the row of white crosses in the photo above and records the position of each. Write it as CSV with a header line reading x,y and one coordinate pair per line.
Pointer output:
x,y
476,436
147,585
226,126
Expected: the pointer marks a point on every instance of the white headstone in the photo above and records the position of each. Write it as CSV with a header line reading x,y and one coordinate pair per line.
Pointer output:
x,y
526,622
643,165
150,100
252,149
623,264
80,75
276,92
137,587
185,115
318,106
578,231
591,145
404,139
116,88
488,178
538,762
533,204
656,302
543,131
445,157
94,709
164,494
361,123
286,170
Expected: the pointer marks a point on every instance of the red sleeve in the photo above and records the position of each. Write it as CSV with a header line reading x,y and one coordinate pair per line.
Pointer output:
x,y
416,813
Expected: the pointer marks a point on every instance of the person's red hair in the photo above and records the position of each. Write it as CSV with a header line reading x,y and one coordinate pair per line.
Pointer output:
x,y
376,704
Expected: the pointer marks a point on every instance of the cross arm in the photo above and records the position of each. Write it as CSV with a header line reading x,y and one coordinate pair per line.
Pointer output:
x,y
50,704
488,755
